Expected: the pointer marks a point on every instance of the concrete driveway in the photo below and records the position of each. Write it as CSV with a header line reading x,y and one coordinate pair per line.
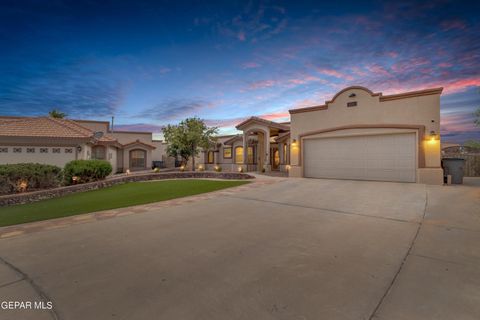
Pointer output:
x,y
294,249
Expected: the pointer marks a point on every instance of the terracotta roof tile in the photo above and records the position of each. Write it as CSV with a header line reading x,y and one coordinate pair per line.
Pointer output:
x,y
42,127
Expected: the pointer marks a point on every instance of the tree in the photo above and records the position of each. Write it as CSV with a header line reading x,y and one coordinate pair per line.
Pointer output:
x,y
57,114
472,144
186,138
476,114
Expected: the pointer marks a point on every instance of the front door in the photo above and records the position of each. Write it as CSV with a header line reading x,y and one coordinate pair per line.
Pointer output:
x,y
275,159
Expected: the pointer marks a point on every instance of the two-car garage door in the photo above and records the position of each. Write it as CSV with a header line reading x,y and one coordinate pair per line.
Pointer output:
x,y
386,157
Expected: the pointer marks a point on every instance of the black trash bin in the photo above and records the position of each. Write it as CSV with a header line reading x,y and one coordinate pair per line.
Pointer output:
x,y
454,167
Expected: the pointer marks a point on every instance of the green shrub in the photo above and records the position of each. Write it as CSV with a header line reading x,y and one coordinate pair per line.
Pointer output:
x,y
21,177
86,170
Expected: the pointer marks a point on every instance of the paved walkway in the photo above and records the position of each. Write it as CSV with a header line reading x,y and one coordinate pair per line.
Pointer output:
x,y
278,249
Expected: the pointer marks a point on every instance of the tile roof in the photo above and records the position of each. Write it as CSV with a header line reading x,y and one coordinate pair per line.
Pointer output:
x,y
263,121
46,127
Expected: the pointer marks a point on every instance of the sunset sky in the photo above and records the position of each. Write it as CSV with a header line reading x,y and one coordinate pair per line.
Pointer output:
x,y
150,63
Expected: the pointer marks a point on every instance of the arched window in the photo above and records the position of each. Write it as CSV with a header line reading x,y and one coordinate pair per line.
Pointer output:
x,y
239,155
210,158
98,152
138,159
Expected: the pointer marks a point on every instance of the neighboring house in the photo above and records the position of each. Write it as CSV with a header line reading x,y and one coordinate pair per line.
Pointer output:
x,y
58,141
357,135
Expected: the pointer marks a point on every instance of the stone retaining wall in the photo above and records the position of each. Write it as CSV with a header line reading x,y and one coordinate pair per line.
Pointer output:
x,y
28,197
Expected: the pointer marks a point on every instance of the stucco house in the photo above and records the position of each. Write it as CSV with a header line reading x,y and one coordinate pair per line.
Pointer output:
x,y
358,134
58,141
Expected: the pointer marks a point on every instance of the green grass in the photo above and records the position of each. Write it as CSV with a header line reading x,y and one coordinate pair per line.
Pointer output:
x,y
119,196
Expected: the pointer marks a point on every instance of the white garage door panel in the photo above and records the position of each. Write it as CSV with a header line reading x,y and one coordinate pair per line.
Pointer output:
x,y
378,157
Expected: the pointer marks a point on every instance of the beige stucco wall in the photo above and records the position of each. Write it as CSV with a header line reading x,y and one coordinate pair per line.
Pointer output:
x,y
415,111
127,137
57,159
96,126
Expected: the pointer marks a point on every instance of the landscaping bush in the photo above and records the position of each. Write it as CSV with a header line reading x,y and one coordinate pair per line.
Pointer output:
x,y
86,171
22,177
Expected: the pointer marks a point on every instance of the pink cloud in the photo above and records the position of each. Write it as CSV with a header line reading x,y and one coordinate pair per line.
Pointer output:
x,y
445,65
305,79
262,84
241,36
276,116
453,24
250,65
392,54
334,73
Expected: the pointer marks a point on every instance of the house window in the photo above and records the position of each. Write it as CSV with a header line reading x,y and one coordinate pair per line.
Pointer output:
x,y
138,159
250,155
55,150
17,150
239,155
211,156
68,150
227,153
43,150
98,152
30,150
3,150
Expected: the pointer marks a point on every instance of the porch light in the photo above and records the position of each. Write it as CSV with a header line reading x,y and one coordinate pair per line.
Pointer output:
x,y
240,169
22,185
127,171
433,137
182,168
294,142
200,167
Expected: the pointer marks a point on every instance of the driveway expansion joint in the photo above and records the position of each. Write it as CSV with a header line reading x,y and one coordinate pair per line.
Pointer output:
x,y
330,211
404,260
36,288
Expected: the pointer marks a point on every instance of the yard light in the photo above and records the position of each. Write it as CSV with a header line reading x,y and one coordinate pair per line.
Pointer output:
x,y
182,168
240,169
287,167
75,179
127,171
22,185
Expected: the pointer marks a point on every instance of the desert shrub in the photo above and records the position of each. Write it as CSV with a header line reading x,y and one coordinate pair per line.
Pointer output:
x,y
86,171
21,177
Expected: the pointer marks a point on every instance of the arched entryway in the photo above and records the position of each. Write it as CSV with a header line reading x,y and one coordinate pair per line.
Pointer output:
x,y
275,159
138,159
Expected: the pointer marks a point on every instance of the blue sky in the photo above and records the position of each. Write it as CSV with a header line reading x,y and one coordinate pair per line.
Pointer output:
x,y
150,63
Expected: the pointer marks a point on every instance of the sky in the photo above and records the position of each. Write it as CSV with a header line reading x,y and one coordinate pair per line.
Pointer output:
x,y
152,63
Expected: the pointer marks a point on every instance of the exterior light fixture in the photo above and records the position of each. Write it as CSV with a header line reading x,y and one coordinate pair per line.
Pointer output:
x,y
75,179
79,148
182,168
127,171
287,167
294,141
22,185
240,169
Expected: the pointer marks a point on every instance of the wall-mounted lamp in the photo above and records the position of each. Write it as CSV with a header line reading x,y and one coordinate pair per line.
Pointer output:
x,y
294,141
433,137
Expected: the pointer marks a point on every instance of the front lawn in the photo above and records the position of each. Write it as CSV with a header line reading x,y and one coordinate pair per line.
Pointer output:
x,y
119,196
